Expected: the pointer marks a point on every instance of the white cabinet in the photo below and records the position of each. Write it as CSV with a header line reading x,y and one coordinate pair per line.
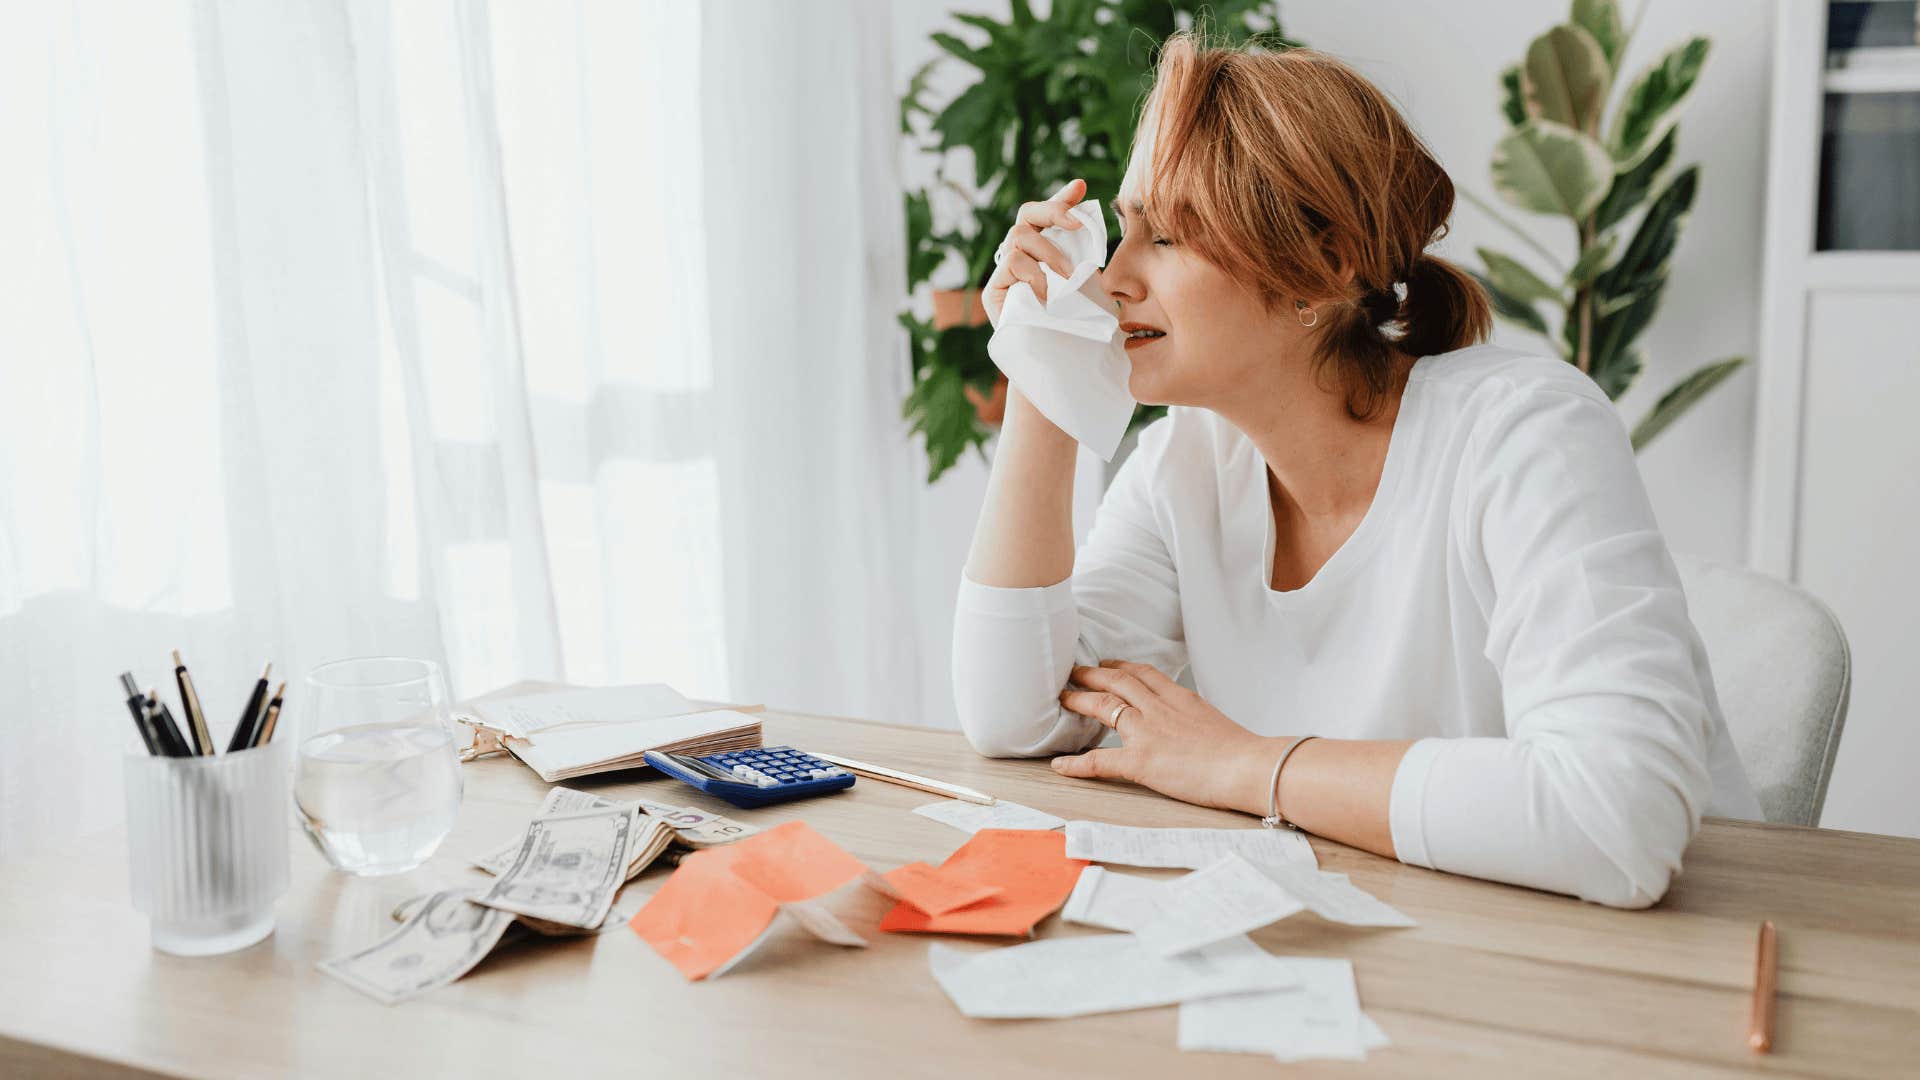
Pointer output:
x,y
1837,456
1858,546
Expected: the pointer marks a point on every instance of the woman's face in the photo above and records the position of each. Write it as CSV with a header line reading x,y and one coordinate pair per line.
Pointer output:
x,y
1217,334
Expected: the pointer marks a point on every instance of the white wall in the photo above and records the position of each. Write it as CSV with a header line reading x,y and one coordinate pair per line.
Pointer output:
x,y
1441,62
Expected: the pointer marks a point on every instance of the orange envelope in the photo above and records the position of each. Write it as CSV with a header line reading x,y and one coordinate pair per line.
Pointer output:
x,y
720,900
1031,868
934,891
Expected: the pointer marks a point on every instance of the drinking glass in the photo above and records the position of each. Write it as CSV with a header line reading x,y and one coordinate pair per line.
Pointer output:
x,y
378,779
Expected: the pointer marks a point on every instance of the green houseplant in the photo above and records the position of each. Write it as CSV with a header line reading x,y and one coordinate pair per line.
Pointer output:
x,y
1057,98
1611,182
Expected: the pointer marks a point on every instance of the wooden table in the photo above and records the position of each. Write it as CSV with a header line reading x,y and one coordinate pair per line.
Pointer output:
x,y
1494,981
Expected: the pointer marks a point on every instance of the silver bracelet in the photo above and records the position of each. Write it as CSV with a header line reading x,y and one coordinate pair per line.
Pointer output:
x,y
1273,787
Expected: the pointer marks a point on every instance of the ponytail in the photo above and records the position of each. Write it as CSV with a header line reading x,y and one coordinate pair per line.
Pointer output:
x,y
1444,309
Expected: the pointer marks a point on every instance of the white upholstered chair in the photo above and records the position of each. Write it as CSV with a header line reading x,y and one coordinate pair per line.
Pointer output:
x,y
1783,673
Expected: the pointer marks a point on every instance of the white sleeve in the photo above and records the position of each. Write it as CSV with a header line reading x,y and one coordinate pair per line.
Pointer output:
x,y
1014,648
1600,783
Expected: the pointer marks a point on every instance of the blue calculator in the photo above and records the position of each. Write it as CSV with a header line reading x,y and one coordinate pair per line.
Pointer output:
x,y
756,777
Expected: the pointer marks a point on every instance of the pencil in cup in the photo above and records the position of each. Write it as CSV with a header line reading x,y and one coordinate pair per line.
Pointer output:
x,y
171,739
246,730
202,739
271,718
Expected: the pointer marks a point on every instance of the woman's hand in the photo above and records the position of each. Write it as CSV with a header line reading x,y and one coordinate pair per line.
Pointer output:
x,y
1027,249
1174,741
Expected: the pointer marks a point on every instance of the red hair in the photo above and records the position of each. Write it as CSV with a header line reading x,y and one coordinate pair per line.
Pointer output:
x,y
1298,178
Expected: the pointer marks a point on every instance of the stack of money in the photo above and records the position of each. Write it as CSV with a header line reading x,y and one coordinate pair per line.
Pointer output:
x,y
559,878
690,828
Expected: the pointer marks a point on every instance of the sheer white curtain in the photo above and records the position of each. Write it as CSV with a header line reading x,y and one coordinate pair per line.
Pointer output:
x,y
543,340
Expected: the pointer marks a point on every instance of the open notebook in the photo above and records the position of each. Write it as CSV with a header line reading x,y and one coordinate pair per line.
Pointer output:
x,y
567,733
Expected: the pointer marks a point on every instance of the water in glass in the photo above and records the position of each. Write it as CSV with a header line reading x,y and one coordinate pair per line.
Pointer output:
x,y
378,796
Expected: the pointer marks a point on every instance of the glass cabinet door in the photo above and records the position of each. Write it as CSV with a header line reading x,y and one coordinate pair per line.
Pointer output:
x,y
1870,139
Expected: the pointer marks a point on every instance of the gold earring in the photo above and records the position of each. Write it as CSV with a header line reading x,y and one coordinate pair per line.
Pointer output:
x,y
1308,316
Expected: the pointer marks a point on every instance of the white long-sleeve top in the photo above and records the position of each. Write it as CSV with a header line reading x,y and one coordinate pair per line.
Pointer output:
x,y
1507,601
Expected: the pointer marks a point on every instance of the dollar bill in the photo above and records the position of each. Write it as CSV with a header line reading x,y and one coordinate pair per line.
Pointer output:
x,y
653,840
698,828
691,827
655,837
568,868
444,938
559,800
408,908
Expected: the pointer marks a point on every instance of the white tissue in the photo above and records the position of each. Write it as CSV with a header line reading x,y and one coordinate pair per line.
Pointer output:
x,y
1066,356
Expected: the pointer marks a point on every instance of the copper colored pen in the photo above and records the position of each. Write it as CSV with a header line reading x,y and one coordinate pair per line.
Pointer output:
x,y
272,719
1766,973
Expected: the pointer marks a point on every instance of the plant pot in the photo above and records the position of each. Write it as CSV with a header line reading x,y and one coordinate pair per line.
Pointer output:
x,y
991,408
967,307
958,307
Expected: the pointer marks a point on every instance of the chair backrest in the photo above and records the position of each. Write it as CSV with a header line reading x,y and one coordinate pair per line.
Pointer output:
x,y
1783,672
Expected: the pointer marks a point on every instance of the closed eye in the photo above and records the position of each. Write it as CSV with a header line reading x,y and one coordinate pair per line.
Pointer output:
x,y
1160,241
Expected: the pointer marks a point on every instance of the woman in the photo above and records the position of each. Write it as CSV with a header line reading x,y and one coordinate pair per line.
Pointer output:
x,y
1431,558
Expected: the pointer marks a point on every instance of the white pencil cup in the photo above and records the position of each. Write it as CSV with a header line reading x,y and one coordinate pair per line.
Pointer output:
x,y
207,846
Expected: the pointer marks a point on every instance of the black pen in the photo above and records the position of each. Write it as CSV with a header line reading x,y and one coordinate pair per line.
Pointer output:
x,y
249,724
190,701
165,730
137,705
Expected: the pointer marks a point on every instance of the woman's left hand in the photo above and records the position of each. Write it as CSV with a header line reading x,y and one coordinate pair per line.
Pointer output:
x,y
1174,741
